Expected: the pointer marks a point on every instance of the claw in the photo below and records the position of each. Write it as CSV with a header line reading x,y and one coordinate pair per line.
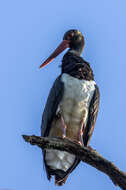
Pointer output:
x,y
78,142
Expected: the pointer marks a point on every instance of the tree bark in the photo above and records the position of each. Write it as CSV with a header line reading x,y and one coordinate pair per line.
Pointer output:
x,y
88,155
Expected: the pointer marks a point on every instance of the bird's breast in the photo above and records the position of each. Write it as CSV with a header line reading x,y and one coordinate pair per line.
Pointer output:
x,y
74,106
75,103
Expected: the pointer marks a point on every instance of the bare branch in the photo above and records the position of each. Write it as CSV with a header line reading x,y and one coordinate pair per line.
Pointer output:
x,y
85,154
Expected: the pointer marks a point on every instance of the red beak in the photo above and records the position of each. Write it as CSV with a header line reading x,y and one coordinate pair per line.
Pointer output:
x,y
64,44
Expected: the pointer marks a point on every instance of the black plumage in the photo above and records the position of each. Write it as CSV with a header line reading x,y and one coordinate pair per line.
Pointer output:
x,y
74,65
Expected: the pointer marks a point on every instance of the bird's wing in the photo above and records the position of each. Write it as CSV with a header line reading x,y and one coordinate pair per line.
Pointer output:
x,y
92,115
54,98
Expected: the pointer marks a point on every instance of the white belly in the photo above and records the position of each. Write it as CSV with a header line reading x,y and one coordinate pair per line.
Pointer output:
x,y
74,110
76,99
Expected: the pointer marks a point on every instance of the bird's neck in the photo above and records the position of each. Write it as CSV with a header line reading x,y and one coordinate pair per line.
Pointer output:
x,y
75,52
74,65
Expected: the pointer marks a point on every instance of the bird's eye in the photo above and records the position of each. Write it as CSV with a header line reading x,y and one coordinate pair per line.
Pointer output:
x,y
70,35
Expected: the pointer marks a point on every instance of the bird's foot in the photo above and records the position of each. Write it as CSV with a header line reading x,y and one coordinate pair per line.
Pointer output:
x,y
78,142
63,136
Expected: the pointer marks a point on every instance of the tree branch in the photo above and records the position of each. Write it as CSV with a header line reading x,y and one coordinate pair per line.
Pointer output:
x,y
85,154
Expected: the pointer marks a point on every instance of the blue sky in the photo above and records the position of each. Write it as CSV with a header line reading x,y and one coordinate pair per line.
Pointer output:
x,y
29,32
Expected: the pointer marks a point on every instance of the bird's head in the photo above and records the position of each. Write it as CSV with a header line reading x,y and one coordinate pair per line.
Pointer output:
x,y
76,40
73,39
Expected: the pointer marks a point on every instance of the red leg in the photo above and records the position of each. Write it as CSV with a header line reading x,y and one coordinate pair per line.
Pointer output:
x,y
63,127
80,134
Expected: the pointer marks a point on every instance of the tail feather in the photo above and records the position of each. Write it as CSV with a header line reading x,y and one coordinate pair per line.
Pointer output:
x,y
59,181
60,175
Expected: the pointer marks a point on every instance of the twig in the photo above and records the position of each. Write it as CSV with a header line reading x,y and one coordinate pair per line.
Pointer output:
x,y
85,154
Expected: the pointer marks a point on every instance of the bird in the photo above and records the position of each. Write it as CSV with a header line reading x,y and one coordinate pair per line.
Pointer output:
x,y
71,108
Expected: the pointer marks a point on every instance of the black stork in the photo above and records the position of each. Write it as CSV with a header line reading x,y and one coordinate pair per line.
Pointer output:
x,y
71,108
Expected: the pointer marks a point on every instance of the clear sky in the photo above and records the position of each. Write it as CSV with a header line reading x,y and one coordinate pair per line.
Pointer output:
x,y
29,31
